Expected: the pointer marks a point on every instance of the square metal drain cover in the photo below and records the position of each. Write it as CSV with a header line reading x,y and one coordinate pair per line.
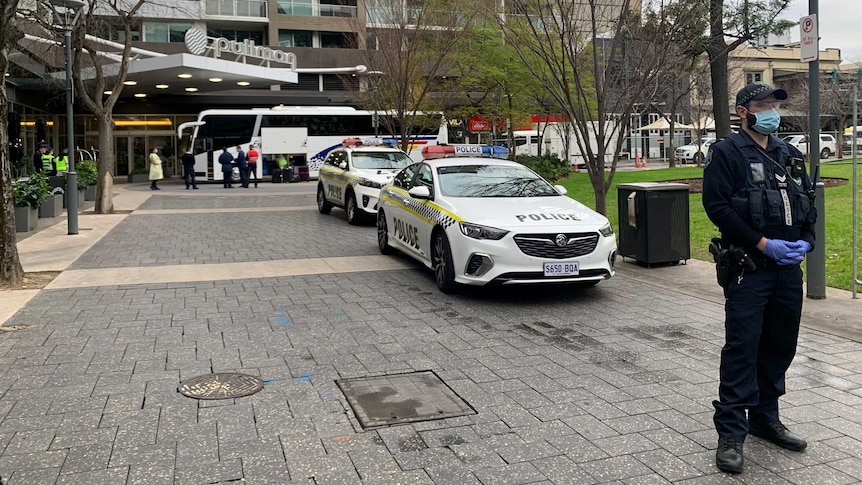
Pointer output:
x,y
402,398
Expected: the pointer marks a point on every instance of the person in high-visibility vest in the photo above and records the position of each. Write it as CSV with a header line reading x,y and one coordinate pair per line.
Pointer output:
x,y
37,158
48,166
62,162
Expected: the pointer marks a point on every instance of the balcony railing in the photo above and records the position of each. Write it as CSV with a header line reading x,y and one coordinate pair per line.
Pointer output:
x,y
236,8
299,7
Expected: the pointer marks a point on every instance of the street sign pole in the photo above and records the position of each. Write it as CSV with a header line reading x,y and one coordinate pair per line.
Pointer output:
x,y
810,53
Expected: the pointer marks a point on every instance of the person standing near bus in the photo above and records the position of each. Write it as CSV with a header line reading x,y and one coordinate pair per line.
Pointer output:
x,y
242,164
253,156
226,161
156,173
188,160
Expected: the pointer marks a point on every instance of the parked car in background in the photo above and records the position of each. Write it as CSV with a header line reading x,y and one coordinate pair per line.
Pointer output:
x,y
828,146
694,153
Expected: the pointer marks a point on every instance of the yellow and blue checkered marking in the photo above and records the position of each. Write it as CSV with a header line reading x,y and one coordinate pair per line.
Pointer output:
x,y
427,211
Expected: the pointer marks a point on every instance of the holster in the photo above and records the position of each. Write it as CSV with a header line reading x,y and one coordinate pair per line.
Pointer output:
x,y
729,260
721,256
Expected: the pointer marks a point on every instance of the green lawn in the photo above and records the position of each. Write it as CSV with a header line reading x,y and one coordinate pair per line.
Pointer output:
x,y
839,227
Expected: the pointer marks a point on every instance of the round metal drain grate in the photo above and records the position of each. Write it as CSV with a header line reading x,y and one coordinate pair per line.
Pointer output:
x,y
222,385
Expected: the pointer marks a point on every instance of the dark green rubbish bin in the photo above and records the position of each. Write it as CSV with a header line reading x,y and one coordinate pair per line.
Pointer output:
x,y
654,222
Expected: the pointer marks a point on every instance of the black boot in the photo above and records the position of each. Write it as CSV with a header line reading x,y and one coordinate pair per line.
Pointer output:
x,y
778,434
728,456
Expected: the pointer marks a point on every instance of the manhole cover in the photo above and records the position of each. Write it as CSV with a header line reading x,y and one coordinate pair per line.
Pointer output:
x,y
225,385
402,398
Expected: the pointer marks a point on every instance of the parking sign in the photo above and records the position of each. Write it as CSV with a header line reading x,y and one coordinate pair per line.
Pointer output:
x,y
809,44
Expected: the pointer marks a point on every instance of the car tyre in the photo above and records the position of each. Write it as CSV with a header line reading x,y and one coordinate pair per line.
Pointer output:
x,y
353,215
323,206
383,235
825,153
698,158
441,262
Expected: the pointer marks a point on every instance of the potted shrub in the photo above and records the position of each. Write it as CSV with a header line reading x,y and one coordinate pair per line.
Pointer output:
x,y
27,195
88,176
53,205
140,172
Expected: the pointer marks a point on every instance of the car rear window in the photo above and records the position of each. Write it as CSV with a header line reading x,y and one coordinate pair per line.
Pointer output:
x,y
492,181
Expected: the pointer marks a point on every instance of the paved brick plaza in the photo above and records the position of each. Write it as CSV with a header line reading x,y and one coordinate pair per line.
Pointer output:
x,y
608,385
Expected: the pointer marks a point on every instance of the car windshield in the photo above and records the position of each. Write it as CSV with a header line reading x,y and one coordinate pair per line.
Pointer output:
x,y
372,160
492,181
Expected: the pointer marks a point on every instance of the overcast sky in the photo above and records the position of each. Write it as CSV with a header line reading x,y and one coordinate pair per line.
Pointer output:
x,y
840,24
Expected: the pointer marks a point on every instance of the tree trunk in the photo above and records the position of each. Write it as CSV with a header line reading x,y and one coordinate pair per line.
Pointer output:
x,y
11,271
717,50
105,184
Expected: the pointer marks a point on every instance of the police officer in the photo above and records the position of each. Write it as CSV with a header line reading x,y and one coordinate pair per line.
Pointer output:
x,y
756,190
37,158
48,163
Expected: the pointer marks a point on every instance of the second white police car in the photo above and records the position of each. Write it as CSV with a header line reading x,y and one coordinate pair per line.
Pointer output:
x,y
478,220
351,177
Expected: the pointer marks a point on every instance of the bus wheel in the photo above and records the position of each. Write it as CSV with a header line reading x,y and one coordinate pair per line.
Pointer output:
x,y
322,205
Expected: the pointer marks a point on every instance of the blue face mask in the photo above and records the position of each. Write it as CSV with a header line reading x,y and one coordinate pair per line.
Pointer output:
x,y
765,122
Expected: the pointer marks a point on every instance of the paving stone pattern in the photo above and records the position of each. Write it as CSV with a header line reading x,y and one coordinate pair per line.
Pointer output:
x,y
166,202
611,384
228,237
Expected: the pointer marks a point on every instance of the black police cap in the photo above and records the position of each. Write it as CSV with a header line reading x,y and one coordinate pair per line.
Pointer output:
x,y
758,91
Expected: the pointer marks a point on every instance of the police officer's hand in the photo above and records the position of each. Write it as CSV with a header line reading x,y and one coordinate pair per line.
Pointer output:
x,y
797,253
778,249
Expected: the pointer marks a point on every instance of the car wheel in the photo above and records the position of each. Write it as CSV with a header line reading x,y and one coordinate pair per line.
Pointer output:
x,y
825,153
353,215
698,158
322,205
383,234
441,261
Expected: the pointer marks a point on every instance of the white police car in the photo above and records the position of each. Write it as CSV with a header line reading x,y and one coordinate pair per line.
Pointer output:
x,y
477,220
351,177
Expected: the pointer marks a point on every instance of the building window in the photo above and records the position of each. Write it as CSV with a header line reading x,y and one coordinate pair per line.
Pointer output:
x,y
342,40
238,35
295,38
295,7
753,77
165,31
117,33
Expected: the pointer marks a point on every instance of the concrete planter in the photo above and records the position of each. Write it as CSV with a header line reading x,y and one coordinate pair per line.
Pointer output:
x,y
51,207
90,193
81,199
26,219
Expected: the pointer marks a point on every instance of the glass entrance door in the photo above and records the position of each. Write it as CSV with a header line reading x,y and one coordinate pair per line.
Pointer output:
x,y
131,155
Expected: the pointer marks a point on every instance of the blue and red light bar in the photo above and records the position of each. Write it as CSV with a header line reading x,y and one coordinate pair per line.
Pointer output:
x,y
451,151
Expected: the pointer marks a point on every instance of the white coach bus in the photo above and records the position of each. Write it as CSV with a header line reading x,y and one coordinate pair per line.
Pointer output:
x,y
304,135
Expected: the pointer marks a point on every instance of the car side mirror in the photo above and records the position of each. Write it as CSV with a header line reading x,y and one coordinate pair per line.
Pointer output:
x,y
420,192
561,190
342,165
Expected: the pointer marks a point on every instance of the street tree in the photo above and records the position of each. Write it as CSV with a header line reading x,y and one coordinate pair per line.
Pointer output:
x,y
597,59
741,22
96,71
11,272
409,50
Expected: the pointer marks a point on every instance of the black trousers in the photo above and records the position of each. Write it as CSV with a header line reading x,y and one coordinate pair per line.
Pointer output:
x,y
762,315
251,170
189,175
227,178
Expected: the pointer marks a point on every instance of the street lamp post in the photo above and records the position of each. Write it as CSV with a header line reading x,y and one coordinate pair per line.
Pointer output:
x,y
375,120
71,11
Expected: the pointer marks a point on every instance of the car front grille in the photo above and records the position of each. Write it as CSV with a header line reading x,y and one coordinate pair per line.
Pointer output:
x,y
545,246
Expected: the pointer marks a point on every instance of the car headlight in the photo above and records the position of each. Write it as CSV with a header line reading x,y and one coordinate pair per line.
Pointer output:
x,y
368,183
481,232
606,230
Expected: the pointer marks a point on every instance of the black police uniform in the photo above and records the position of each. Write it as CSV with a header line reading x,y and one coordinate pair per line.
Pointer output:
x,y
749,192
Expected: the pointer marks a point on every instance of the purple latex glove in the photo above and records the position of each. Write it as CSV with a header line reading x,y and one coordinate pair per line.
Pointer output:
x,y
777,249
